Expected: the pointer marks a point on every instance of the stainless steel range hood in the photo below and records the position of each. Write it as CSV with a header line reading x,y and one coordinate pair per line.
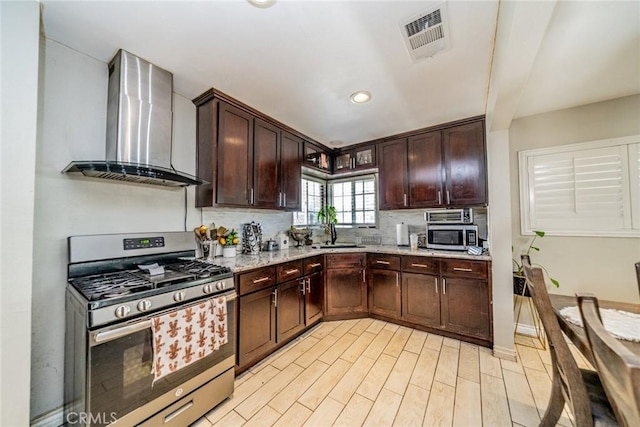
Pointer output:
x,y
139,127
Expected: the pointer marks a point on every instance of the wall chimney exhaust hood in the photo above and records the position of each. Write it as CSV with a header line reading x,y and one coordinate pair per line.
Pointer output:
x,y
139,127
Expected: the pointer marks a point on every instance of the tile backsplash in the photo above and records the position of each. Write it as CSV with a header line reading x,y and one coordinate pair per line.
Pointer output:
x,y
274,222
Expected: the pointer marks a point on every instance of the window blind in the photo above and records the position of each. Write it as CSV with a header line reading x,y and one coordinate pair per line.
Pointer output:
x,y
581,189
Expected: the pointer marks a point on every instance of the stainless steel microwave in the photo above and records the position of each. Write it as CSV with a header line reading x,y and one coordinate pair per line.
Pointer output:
x,y
457,237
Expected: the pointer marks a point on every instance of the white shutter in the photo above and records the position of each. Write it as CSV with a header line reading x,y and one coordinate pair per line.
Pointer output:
x,y
582,189
634,184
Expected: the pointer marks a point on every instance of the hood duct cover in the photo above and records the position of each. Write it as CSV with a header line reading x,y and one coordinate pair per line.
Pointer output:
x,y
139,127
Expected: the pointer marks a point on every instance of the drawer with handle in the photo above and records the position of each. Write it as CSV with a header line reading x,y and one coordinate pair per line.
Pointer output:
x,y
313,264
383,261
344,260
421,264
465,268
289,270
257,279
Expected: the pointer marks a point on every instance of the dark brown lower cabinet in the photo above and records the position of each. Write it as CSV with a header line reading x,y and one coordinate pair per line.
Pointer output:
x,y
466,306
346,292
289,304
346,286
314,297
420,299
256,325
384,293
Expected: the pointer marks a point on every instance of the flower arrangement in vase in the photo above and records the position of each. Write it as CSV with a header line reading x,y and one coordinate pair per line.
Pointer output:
x,y
228,239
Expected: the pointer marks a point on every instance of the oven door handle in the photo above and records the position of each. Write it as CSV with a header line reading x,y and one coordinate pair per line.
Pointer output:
x,y
101,337
113,334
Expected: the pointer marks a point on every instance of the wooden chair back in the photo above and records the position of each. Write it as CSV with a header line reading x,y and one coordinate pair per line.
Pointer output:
x,y
566,374
617,366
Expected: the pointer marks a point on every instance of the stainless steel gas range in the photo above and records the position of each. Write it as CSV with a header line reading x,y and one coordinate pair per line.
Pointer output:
x,y
121,286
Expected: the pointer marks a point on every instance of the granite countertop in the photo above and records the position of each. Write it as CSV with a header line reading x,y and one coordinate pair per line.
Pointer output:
x,y
243,262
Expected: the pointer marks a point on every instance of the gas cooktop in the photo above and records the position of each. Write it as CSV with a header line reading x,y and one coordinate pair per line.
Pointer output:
x,y
117,284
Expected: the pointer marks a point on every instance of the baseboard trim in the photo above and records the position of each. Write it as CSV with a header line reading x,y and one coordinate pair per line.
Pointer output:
x,y
505,353
53,418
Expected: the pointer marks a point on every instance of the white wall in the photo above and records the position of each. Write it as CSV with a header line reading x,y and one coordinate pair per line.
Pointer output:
x,y
20,26
71,126
603,266
500,242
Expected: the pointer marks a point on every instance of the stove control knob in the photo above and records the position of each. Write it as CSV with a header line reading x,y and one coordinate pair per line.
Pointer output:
x,y
122,311
144,305
178,296
220,286
208,288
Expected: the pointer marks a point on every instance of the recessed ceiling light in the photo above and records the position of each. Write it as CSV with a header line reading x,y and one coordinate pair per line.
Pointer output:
x,y
360,97
262,3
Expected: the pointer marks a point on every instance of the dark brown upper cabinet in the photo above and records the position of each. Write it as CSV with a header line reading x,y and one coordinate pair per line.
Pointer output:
x,y
291,172
355,159
234,157
266,158
249,160
465,165
277,160
439,168
394,181
317,157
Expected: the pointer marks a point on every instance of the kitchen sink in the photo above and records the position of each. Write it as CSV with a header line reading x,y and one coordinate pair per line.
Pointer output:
x,y
340,246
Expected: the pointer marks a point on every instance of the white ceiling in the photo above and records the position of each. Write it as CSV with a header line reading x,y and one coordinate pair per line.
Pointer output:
x,y
299,61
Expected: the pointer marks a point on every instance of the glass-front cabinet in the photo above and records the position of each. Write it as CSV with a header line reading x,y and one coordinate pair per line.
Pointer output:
x,y
356,158
317,157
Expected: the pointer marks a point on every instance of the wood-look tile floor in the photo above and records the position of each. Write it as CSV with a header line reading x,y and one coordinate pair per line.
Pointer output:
x,y
367,372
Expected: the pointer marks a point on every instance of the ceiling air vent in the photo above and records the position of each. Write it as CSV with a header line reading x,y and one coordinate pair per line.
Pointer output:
x,y
426,33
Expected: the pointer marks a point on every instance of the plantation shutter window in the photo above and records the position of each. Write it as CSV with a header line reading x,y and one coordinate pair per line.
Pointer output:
x,y
313,197
354,200
590,189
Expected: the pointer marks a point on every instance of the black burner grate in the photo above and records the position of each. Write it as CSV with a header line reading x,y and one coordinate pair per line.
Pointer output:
x,y
110,285
199,269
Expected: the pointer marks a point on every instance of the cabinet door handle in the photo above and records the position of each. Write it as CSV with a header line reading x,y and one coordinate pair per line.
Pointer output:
x,y
295,270
314,265
462,269
302,289
383,262
275,298
363,278
448,198
309,285
444,286
279,199
419,265
436,285
439,197
262,279
405,199
284,199
251,196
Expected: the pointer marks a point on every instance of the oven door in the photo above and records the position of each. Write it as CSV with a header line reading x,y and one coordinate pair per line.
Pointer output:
x,y
120,376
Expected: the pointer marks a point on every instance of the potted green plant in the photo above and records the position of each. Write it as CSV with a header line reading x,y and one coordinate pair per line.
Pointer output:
x,y
519,287
327,216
